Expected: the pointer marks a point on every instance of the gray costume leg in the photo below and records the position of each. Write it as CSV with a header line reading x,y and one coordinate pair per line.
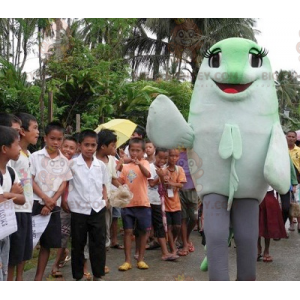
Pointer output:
x,y
245,213
216,229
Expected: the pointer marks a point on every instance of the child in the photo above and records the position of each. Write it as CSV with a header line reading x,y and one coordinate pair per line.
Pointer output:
x,y
150,151
106,150
9,150
10,120
21,241
189,206
173,181
270,224
87,202
50,171
161,158
135,175
68,149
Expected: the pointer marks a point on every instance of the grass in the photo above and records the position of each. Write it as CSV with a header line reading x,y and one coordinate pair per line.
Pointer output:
x,y
30,264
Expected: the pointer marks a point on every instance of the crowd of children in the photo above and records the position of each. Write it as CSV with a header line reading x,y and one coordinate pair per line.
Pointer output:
x,y
69,182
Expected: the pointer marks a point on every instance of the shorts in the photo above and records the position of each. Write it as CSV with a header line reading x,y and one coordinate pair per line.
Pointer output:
x,y
140,214
51,238
173,217
65,228
21,240
157,221
189,204
116,212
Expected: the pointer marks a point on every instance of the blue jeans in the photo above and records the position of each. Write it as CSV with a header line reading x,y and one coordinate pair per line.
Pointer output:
x,y
4,255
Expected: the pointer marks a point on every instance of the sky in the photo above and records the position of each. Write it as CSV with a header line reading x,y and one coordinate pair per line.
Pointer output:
x,y
281,40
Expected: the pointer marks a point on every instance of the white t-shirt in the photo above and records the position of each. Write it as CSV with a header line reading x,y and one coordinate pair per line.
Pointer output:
x,y
86,186
7,181
49,173
153,191
22,167
111,172
1,190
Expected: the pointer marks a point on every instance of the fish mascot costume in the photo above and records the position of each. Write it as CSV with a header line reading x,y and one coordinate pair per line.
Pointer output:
x,y
234,129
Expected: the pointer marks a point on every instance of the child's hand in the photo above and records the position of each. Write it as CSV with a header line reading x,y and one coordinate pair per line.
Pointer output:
x,y
16,188
136,161
45,211
65,206
121,152
49,202
160,172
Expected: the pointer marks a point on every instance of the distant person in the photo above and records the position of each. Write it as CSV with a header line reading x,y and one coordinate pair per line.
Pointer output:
x,y
291,137
21,241
11,187
50,172
87,202
173,182
138,211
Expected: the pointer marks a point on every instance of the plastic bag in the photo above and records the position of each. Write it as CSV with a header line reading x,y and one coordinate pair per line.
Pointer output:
x,y
121,196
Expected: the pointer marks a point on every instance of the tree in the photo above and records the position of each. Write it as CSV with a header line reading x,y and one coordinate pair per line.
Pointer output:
x,y
156,50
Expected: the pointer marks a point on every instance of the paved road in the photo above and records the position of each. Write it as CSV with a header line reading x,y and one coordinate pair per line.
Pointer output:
x,y
285,265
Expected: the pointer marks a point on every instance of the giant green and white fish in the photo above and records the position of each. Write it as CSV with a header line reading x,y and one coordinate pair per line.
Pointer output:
x,y
233,124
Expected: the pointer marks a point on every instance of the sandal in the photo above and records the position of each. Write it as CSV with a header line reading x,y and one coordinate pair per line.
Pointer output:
x,y
267,258
182,252
125,267
259,257
142,265
56,274
106,269
117,246
87,276
64,262
191,247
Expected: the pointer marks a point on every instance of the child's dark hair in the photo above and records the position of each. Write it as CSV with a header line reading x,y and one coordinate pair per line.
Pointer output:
x,y
140,131
54,125
70,138
137,141
105,137
25,119
8,119
147,141
76,136
87,133
160,149
7,136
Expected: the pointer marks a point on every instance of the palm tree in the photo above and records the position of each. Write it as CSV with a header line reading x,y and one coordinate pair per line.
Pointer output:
x,y
155,51
288,88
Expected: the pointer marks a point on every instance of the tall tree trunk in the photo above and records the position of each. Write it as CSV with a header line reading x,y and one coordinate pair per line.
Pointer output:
x,y
7,39
12,40
43,83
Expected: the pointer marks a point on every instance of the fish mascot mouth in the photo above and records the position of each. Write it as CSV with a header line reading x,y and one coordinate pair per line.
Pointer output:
x,y
232,88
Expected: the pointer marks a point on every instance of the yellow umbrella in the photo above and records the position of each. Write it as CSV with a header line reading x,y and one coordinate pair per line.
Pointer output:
x,y
122,127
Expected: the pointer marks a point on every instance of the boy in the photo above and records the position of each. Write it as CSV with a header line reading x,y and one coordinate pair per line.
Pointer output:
x,y
10,120
21,241
173,181
50,171
135,175
106,151
87,202
9,150
161,158
150,151
68,149
189,206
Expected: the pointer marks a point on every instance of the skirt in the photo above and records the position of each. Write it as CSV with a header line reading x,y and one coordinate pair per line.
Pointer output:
x,y
270,218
